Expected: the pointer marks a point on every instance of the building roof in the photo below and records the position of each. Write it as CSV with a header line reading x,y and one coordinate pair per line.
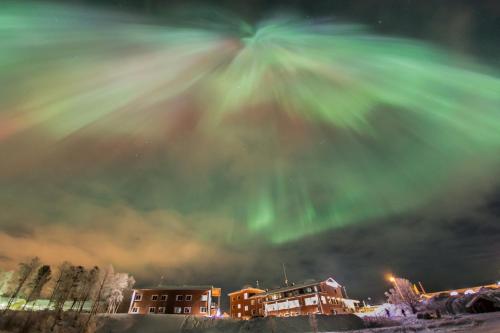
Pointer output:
x,y
250,289
178,287
308,283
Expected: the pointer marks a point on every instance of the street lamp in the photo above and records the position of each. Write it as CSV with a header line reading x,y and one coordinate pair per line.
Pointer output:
x,y
393,280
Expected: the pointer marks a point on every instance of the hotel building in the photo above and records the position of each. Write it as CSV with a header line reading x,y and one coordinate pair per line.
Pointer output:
x,y
324,297
183,300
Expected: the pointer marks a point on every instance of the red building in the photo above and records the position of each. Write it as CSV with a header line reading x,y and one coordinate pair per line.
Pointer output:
x,y
246,303
323,297
186,300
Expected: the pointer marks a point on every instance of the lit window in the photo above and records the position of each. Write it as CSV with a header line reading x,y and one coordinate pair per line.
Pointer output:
x,y
152,309
163,297
135,310
154,297
177,309
138,297
239,306
204,298
189,297
252,302
239,314
245,295
246,307
187,309
203,309
161,309
179,297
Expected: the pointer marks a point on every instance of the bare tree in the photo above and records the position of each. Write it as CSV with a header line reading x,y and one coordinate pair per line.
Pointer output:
x,y
78,285
42,277
403,293
113,290
96,301
89,286
22,275
36,285
5,279
63,269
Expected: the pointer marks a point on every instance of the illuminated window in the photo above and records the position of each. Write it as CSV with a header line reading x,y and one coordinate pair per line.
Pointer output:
x,y
245,295
189,297
239,314
239,306
204,298
246,307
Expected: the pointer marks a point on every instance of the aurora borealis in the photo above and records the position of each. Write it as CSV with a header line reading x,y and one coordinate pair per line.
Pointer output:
x,y
124,139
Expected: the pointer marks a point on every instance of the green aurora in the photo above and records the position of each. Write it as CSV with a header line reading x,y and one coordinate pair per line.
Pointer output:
x,y
281,131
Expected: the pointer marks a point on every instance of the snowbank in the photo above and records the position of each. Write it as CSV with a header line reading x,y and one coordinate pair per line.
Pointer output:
x,y
188,324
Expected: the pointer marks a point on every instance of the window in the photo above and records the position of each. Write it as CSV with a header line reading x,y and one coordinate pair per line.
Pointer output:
x,y
135,310
179,297
239,297
177,309
234,307
161,309
154,297
203,309
239,306
204,298
245,295
246,307
187,309
189,297
163,297
253,312
252,302
152,309
138,297
239,314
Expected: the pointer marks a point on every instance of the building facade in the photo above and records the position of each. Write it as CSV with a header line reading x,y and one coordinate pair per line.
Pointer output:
x,y
246,303
323,297
182,300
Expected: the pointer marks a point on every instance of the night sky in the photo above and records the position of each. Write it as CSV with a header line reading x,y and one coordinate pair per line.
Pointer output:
x,y
209,143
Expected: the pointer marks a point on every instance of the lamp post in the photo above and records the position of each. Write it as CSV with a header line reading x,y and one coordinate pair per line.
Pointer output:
x,y
393,280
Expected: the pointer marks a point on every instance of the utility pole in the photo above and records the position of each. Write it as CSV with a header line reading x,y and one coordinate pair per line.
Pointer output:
x,y
421,287
284,273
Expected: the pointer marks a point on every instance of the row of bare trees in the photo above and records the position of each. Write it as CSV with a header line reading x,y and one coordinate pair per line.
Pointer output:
x,y
71,289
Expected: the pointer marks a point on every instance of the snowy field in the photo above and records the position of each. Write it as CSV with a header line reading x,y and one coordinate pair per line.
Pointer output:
x,y
477,323
480,323
125,323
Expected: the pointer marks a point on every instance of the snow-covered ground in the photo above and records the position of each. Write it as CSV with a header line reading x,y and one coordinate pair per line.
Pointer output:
x,y
476,323
125,323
